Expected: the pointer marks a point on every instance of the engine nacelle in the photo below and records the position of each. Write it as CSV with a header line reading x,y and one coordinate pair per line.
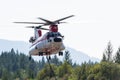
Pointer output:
x,y
39,33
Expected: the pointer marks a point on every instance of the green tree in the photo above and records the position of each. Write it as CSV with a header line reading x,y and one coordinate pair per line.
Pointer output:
x,y
105,71
67,57
104,58
91,77
55,61
107,55
117,56
12,51
110,70
46,73
15,65
64,69
43,62
6,75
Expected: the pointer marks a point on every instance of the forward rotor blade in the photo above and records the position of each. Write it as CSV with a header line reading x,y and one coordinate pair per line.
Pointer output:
x,y
38,27
30,22
63,18
44,28
61,22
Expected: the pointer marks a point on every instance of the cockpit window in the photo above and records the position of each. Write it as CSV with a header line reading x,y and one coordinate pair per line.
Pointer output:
x,y
50,34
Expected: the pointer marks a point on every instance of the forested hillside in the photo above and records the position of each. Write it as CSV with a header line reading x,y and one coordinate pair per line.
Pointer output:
x,y
16,66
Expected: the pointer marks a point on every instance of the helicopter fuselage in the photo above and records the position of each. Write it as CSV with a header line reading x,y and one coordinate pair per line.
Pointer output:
x,y
50,43
47,45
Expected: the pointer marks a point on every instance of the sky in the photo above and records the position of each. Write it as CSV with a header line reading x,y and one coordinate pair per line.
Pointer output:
x,y
96,22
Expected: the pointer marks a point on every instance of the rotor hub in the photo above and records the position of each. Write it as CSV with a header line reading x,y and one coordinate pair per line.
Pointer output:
x,y
53,28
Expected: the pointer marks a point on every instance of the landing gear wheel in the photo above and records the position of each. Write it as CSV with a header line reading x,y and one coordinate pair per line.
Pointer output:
x,y
36,47
30,57
40,53
60,53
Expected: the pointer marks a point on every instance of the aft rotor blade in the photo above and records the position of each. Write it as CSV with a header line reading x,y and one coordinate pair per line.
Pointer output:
x,y
48,21
30,22
30,27
63,18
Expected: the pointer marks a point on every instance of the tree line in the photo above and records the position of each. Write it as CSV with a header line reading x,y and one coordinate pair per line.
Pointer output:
x,y
15,65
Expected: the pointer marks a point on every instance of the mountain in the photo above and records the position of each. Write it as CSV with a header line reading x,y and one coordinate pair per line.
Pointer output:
x,y
80,57
77,56
7,45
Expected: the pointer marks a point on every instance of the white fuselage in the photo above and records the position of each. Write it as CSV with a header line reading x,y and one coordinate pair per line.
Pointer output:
x,y
47,46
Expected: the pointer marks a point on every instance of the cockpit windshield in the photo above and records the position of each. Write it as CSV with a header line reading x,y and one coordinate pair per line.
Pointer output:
x,y
54,34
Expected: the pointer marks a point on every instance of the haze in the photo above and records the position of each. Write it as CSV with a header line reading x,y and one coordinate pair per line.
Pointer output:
x,y
96,22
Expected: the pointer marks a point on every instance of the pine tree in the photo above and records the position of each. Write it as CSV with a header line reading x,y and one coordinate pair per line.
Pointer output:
x,y
43,62
15,65
108,52
67,57
117,56
12,51
104,57
55,60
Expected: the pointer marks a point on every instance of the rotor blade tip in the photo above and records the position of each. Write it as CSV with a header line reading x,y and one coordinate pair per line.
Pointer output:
x,y
73,15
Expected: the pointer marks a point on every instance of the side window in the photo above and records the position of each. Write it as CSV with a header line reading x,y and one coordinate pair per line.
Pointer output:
x,y
52,35
56,35
49,34
59,34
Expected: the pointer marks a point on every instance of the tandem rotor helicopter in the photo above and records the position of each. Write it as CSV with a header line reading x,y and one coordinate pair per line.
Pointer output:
x,y
50,43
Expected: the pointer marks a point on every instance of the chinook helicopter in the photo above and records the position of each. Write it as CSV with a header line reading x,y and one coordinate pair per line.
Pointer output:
x,y
51,42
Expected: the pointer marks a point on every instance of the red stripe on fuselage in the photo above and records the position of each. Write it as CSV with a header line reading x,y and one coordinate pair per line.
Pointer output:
x,y
38,41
